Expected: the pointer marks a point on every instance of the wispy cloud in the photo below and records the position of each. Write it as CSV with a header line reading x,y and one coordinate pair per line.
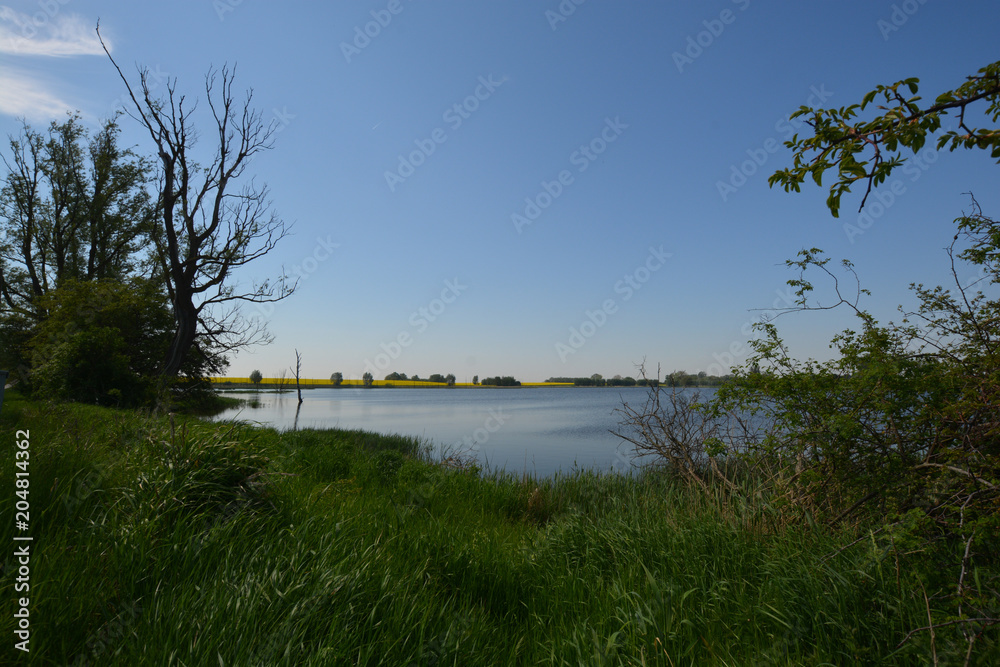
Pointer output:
x,y
44,34
24,95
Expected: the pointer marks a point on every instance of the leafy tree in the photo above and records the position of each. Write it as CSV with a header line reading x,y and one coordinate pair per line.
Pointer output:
x,y
256,378
505,381
102,342
475,379
367,379
450,379
337,379
436,377
71,208
207,228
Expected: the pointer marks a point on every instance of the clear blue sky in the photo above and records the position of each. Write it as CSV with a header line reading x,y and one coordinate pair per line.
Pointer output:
x,y
506,295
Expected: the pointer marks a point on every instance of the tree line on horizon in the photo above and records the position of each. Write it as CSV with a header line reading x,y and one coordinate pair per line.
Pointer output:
x,y
675,379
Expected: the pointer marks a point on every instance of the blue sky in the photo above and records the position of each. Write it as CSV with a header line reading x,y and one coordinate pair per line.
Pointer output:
x,y
410,158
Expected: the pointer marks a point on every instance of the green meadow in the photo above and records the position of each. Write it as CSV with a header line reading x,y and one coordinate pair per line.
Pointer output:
x,y
173,541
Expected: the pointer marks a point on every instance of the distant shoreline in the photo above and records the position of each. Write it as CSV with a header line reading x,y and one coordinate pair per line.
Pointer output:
x,y
270,384
274,386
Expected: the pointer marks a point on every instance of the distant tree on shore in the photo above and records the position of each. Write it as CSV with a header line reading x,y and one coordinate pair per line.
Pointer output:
x,y
256,378
506,381
450,379
337,379
367,379
400,377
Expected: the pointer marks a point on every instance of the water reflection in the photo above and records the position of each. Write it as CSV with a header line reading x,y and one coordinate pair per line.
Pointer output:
x,y
536,429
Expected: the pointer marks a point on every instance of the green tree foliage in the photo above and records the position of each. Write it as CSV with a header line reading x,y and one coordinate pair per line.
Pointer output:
x,y
75,211
102,342
505,381
869,150
256,378
71,208
899,432
337,379
367,379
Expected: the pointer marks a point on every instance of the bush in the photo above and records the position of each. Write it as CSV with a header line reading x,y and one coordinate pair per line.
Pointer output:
x,y
102,342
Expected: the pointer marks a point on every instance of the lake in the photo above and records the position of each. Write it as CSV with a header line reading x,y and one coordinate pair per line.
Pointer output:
x,y
540,430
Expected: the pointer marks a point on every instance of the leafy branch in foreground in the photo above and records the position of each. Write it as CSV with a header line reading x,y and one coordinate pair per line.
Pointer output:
x,y
869,151
898,435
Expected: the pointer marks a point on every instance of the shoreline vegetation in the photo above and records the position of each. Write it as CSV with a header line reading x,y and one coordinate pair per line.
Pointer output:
x,y
170,540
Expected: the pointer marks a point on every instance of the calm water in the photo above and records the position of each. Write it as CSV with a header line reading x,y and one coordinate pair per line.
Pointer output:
x,y
538,429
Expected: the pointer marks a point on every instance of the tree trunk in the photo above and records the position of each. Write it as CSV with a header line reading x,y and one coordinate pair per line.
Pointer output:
x,y
186,317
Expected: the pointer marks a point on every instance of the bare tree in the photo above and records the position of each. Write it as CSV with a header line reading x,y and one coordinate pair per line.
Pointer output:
x,y
298,370
213,221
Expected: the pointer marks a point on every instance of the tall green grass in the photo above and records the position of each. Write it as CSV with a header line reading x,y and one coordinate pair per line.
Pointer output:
x,y
178,542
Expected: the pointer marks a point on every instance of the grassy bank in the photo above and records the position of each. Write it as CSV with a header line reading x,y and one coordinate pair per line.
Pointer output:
x,y
159,542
